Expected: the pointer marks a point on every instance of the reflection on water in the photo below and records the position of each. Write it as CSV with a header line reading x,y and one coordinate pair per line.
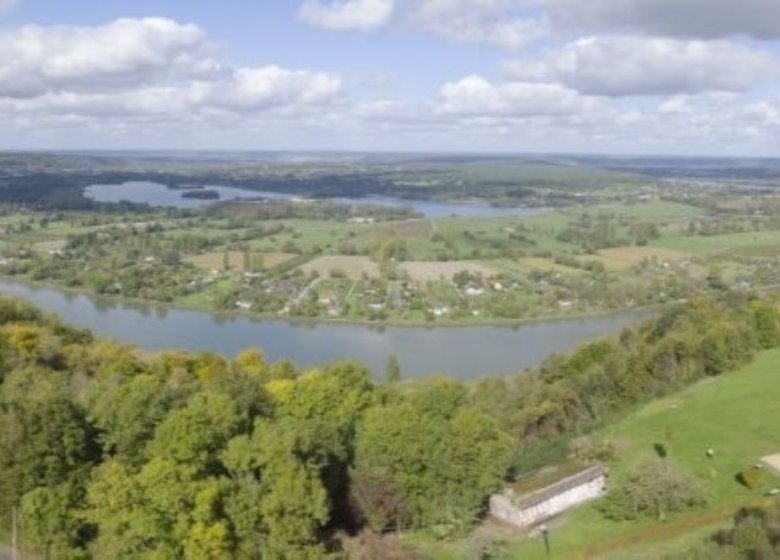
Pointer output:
x,y
464,352
156,194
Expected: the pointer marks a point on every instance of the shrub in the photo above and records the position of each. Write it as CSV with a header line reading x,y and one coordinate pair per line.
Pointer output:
x,y
655,488
752,477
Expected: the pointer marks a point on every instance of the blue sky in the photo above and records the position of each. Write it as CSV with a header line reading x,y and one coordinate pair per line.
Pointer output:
x,y
611,76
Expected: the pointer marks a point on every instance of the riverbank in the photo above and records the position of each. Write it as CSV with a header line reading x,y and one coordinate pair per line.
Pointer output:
x,y
466,352
350,321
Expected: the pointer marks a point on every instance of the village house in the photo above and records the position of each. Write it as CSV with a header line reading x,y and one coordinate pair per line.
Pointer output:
x,y
528,510
474,290
361,220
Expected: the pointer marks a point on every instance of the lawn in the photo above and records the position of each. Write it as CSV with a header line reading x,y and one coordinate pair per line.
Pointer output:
x,y
734,414
702,245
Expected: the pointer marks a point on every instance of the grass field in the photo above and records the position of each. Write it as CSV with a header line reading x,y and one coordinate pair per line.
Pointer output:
x,y
423,271
701,245
524,264
734,414
353,267
216,260
621,258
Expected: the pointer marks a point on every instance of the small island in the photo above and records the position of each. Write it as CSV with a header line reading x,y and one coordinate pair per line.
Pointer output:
x,y
201,194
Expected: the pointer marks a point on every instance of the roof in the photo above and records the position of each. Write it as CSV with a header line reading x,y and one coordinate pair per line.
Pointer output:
x,y
542,495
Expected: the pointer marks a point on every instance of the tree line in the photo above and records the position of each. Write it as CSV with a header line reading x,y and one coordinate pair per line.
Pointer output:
x,y
107,452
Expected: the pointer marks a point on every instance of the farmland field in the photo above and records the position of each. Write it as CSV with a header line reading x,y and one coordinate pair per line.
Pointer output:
x,y
353,267
620,258
422,271
702,245
235,260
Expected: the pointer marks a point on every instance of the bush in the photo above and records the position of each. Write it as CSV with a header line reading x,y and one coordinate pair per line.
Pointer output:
x,y
752,477
655,488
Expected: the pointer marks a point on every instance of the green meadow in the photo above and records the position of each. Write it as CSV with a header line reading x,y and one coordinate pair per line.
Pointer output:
x,y
735,414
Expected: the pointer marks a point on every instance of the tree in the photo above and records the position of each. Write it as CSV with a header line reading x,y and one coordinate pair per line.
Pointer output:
x,y
393,371
127,414
49,521
195,434
655,488
276,465
424,468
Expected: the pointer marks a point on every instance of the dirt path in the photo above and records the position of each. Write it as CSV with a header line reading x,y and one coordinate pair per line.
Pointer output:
x,y
305,291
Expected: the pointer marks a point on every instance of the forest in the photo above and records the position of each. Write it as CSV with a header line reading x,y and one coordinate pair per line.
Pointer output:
x,y
106,452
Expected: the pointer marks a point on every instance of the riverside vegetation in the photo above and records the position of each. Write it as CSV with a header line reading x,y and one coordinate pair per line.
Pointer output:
x,y
584,240
321,260
107,452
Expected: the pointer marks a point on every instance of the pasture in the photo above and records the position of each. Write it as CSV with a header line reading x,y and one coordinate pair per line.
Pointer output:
x,y
424,271
735,414
621,258
353,268
732,242
235,260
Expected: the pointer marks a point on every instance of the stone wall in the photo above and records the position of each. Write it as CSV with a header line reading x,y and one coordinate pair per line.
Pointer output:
x,y
503,505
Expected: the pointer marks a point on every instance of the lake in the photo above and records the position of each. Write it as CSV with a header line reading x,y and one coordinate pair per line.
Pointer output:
x,y
157,194
462,352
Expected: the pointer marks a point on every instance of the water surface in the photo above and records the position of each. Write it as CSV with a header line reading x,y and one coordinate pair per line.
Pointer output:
x,y
157,194
463,352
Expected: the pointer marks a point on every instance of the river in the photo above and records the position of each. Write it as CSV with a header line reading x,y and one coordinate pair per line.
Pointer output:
x,y
157,194
462,352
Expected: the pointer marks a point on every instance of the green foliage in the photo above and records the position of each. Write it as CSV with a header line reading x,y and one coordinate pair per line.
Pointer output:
x,y
654,488
194,434
49,523
120,455
569,393
392,371
753,477
755,534
418,467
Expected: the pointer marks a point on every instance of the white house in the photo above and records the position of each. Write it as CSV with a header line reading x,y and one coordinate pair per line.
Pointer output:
x,y
538,506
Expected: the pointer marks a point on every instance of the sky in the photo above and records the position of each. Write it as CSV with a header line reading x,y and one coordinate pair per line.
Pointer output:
x,y
675,77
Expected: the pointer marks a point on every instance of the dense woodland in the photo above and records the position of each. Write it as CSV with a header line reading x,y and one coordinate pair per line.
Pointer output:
x,y
110,453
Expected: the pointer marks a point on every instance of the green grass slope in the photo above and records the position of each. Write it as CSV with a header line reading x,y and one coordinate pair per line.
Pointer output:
x,y
736,414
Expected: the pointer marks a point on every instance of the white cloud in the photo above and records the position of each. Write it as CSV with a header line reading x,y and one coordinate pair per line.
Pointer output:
x,y
501,23
765,113
347,14
510,34
475,96
625,65
675,105
267,87
125,52
672,18
493,22
140,67
244,90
